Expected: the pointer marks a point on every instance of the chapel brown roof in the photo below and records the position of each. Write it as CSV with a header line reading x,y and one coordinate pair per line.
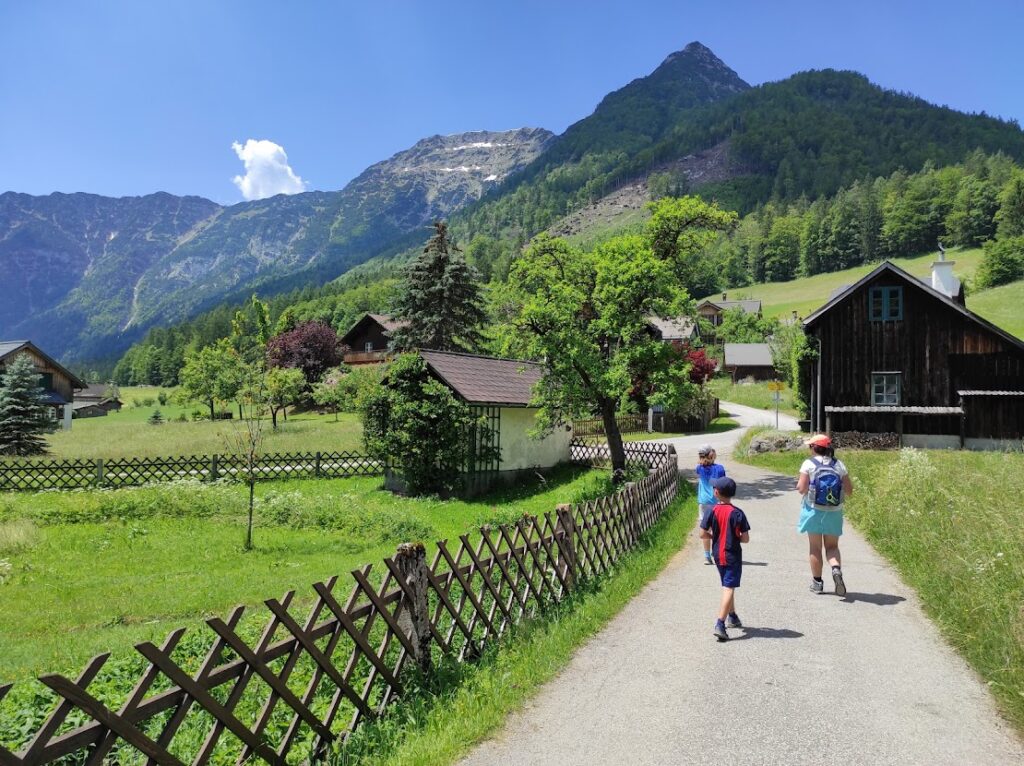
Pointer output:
x,y
484,379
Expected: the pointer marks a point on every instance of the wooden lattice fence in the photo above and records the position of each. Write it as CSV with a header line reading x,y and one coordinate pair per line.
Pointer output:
x,y
71,474
303,684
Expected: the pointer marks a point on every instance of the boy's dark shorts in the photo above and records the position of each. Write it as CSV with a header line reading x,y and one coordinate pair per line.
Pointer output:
x,y
730,575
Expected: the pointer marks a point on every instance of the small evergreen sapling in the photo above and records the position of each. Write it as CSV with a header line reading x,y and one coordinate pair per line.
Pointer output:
x,y
156,419
23,416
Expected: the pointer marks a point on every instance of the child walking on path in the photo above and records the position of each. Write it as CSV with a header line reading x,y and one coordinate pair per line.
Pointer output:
x,y
707,471
726,527
824,484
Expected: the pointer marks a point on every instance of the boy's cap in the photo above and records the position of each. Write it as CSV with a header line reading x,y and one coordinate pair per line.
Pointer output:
x,y
725,485
819,440
705,450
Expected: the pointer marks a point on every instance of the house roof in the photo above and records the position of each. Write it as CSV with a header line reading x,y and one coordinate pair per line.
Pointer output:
x,y
484,379
9,347
680,328
748,355
96,391
811,320
750,306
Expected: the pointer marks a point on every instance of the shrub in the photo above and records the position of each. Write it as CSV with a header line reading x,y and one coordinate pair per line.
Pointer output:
x,y
420,426
162,398
1002,263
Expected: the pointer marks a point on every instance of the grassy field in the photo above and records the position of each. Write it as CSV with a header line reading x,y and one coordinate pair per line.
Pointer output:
x,y
90,570
809,293
754,395
950,524
1003,306
127,434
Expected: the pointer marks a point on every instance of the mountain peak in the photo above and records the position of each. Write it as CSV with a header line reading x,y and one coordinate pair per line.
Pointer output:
x,y
694,50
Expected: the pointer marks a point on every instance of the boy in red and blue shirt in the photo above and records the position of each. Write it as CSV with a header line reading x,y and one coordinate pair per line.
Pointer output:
x,y
726,526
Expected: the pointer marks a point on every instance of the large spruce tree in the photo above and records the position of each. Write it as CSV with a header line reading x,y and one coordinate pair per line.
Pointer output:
x,y
23,418
440,302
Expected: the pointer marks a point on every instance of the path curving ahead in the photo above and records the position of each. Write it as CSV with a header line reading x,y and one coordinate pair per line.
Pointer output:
x,y
813,680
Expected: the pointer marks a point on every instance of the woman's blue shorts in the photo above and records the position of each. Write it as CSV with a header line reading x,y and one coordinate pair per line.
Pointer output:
x,y
815,522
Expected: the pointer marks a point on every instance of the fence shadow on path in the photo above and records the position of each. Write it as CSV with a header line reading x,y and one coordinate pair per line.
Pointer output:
x,y
767,633
878,599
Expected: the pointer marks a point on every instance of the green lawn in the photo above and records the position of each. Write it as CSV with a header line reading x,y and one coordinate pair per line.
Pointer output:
x,y
806,294
91,570
127,434
1003,306
754,395
950,524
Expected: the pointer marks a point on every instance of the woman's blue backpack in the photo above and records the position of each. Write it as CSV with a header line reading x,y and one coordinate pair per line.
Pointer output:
x,y
827,485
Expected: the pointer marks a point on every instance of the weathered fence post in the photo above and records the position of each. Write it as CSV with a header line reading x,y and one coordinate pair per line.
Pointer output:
x,y
414,617
99,472
317,469
213,469
567,525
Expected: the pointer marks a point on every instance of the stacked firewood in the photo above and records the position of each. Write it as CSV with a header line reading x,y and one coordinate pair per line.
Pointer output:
x,y
863,440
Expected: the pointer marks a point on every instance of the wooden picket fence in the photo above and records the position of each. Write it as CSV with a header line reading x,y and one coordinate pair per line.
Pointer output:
x,y
124,472
300,687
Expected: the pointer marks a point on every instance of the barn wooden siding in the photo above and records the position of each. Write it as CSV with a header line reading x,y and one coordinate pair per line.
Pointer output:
x,y
937,350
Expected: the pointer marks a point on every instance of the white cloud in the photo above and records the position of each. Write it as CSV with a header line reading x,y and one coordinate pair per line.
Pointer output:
x,y
267,171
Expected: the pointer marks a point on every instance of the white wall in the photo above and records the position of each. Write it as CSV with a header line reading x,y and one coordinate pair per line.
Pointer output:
x,y
519,451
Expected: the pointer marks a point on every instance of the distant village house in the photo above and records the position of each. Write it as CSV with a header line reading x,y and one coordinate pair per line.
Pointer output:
x,y
368,340
712,311
901,355
58,383
96,400
748,360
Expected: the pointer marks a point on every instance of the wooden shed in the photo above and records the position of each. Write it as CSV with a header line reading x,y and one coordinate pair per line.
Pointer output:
x,y
748,360
897,354
58,383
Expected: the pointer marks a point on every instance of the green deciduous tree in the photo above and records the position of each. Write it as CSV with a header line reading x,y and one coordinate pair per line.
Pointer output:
x,y
23,416
440,302
284,386
213,374
1002,262
1010,216
585,313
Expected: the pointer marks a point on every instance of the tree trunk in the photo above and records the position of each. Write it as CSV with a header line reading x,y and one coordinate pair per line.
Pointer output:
x,y
241,415
212,413
273,417
252,493
615,448
284,410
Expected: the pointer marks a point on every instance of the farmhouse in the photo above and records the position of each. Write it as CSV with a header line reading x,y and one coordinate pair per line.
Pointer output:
x,y
712,311
59,384
749,360
369,338
682,330
500,390
900,355
96,400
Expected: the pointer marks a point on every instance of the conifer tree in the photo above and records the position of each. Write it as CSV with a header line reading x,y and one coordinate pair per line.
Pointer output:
x,y
23,418
440,300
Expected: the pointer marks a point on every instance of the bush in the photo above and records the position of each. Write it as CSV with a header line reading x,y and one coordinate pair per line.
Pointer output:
x,y
1002,262
162,398
420,426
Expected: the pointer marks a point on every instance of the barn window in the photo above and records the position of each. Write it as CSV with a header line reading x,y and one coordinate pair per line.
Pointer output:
x,y
885,304
885,389
369,345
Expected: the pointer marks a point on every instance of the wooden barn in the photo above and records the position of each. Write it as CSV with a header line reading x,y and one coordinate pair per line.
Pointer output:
x,y
369,339
58,383
748,360
900,355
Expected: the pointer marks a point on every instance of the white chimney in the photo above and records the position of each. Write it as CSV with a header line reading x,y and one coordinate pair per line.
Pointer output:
x,y
942,277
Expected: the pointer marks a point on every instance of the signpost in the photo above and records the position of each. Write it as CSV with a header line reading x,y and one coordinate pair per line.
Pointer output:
x,y
776,388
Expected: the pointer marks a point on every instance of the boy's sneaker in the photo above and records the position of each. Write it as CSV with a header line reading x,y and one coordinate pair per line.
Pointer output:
x,y
707,558
837,578
817,586
733,621
720,633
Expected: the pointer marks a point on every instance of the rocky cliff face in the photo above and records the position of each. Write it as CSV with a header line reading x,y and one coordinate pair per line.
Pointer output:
x,y
85,275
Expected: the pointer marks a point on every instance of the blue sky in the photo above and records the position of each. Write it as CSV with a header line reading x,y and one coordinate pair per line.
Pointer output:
x,y
125,98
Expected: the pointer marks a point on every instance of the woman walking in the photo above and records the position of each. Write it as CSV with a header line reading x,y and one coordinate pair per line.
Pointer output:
x,y
824,484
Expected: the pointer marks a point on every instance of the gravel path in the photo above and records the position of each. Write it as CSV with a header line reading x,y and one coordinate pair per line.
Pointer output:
x,y
812,680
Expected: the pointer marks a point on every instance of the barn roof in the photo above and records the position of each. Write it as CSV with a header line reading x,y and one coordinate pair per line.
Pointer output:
x,y
388,325
811,320
484,379
9,347
680,328
748,355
